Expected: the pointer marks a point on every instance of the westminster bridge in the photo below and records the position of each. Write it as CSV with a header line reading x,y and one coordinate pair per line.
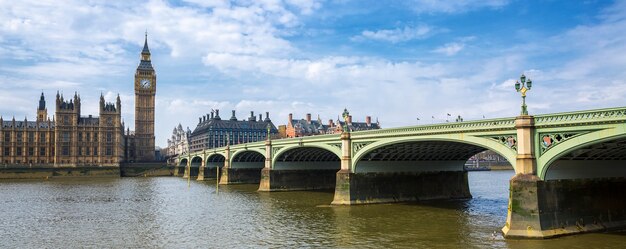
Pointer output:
x,y
570,168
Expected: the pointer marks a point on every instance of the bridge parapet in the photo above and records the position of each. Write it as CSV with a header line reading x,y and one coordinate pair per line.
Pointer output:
x,y
465,126
598,116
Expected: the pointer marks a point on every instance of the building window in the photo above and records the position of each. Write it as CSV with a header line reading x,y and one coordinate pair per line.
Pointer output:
x,y
88,136
87,151
31,137
80,137
95,151
19,136
65,151
95,137
109,137
109,151
31,151
42,137
7,137
18,151
66,120
66,136
80,151
7,151
42,151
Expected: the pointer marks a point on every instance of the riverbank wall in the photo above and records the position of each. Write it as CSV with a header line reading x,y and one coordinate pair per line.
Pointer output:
x,y
146,169
17,172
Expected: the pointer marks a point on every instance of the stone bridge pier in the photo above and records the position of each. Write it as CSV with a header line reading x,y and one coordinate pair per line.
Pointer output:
x,y
242,167
572,183
404,171
299,167
570,168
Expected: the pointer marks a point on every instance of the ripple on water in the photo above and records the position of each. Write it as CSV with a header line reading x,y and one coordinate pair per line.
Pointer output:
x,y
166,213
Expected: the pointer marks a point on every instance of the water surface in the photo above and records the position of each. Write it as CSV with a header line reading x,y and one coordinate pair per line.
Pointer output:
x,y
167,213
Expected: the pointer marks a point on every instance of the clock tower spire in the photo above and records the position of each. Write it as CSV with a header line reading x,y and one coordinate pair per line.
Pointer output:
x,y
145,91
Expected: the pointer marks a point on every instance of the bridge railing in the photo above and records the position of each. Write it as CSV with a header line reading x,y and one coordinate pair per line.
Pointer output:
x,y
598,116
485,124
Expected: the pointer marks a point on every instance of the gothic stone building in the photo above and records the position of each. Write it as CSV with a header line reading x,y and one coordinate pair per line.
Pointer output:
x,y
140,144
68,140
213,132
178,144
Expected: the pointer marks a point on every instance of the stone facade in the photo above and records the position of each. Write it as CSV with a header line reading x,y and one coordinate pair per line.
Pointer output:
x,y
178,144
309,127
145,91
213,132
72,140
68,140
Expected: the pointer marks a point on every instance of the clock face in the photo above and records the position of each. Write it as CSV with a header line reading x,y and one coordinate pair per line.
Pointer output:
x,y
145,83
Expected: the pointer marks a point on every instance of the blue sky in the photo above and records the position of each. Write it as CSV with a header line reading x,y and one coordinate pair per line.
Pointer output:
x,y
393,60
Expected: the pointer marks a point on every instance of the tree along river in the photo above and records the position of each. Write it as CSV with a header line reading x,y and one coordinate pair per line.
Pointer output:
x,y
166,213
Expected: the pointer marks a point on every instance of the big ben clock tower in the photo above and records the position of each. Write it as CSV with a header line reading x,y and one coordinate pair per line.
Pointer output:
x,y
145,90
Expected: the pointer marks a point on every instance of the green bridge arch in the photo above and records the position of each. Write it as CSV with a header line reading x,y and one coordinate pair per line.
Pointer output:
x,y
561,149
486,143
333,149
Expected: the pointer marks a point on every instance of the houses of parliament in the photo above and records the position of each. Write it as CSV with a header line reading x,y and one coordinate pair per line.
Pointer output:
x,y
69,139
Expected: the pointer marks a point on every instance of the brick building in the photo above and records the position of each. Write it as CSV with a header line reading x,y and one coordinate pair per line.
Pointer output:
x,y
310,127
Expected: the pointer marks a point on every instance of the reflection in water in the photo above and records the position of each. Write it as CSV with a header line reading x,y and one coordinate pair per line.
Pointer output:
x,y
165,213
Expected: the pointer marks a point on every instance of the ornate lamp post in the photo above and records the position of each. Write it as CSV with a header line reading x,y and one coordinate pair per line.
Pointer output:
x,y
523,88
345,120
269,128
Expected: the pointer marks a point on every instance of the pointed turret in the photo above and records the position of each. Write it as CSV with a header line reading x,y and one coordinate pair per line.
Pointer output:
x,y
145,46
42,111
101,101
145,63
42,102
118,104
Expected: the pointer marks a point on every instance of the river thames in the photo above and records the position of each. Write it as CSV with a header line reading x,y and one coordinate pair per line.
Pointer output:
x,y
167,213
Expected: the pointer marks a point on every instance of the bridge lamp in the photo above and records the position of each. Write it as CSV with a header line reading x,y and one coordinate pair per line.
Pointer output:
x,y
522,88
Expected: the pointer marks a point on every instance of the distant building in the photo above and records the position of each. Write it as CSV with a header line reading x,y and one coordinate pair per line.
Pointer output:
x,y
213,132
179,143
309,127
68,140
282,131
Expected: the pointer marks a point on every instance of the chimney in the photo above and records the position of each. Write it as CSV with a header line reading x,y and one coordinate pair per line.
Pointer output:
x,y
349,119
199,120
217,114
233,118
330,123
203,118
212,113
290,120
267,117
368,120
252,117
308,118
260,117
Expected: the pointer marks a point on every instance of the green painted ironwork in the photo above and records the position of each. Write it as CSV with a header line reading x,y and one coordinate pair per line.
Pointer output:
x,y
563,133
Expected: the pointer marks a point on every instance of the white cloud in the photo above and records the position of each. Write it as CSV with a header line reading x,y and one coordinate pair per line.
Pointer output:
x,y
457,6
249,65
396,35
210,3
450,49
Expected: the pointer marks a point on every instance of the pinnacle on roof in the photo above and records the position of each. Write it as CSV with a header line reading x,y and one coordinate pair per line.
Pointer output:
x,y
145,45
42,102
